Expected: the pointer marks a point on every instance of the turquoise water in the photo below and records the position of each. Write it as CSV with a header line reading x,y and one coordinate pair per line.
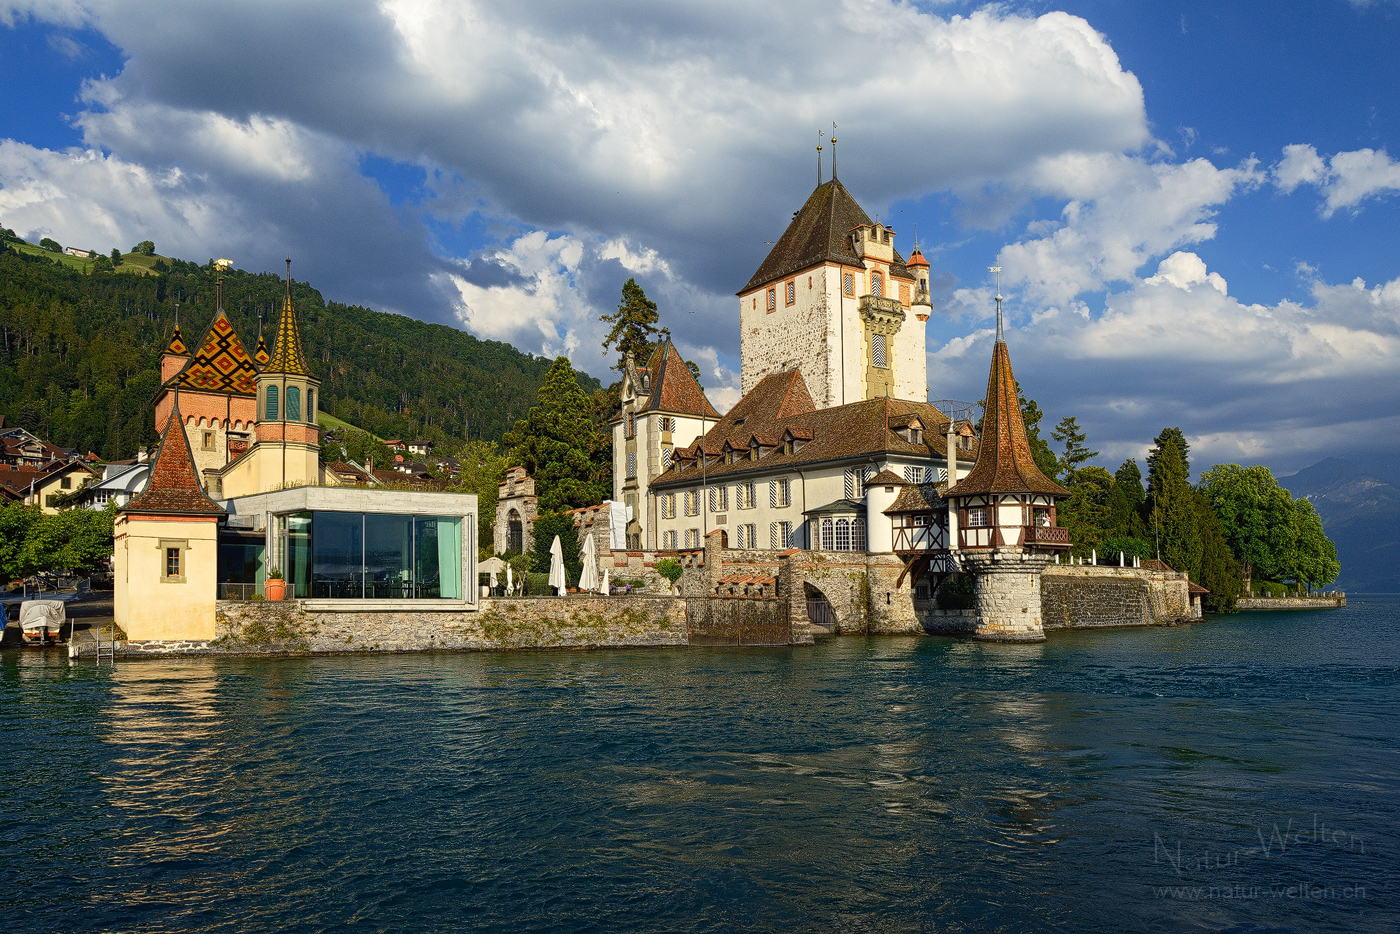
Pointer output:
x,y
1242,774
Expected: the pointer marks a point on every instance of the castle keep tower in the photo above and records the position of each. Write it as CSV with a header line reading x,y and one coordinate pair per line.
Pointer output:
x,y
1001,516
835,300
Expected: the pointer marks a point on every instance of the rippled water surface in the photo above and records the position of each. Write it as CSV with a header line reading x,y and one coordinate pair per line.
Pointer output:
x,y
1242,774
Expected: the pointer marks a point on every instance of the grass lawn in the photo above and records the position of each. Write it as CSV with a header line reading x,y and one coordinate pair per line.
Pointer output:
x,y
133,264
329,421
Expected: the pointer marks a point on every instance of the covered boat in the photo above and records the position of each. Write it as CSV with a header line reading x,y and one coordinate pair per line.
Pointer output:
x,y
41,620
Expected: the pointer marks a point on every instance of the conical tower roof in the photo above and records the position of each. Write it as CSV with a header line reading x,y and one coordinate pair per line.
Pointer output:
x,y
261,356
287,355
174,488
1004,460
177,344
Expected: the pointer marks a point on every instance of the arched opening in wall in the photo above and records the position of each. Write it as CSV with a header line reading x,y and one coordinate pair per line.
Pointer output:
x,y
819,612
515,532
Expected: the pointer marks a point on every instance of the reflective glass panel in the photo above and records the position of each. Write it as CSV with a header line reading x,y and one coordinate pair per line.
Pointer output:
x,y
388,557
298,552
338,567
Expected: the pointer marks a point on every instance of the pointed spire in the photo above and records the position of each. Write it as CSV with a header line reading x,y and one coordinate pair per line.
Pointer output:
x,y
177,346
1004,460
287,356
174,487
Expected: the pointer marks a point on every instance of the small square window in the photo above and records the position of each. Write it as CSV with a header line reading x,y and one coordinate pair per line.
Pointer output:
x,y
208,441
66,483
172,561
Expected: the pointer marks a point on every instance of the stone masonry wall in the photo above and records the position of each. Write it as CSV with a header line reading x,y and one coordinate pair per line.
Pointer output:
x,y
1087,596
264,627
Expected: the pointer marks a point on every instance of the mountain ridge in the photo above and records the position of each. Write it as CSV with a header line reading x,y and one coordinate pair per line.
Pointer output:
x,y
1361,514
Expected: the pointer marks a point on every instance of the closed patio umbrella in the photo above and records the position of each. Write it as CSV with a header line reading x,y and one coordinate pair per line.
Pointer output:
x,y
606,588
588,581
556,566
510,580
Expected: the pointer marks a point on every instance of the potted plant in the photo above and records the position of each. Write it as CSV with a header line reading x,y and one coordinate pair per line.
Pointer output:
x,y
275,588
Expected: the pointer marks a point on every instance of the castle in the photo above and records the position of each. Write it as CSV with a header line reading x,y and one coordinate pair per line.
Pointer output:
x,y
833,449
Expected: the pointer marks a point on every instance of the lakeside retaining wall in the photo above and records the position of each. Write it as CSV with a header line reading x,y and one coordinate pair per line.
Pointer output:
x,y
573,622
1293,603
1092,597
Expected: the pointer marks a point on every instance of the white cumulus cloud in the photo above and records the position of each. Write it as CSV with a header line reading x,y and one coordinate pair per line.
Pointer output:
x,y
1345,180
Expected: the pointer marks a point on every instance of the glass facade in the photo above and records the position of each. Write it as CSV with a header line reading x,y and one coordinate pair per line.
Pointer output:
x,y
373,556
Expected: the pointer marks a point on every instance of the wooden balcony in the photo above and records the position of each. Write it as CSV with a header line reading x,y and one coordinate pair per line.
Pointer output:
x,y
1042,536
1032,536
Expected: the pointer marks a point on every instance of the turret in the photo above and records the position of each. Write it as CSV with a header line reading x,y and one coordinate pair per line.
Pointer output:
x,y
287,389
922,304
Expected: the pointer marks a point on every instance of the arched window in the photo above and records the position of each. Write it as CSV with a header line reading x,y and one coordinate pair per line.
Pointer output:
x,y
293,404
826,535
843,535
310,405
858,535
515,532
270,406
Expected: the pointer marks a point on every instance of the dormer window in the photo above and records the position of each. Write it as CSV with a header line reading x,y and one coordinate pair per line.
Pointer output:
x,y
753,451
728,456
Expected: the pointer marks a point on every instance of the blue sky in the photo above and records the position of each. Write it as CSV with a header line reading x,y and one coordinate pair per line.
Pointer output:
x,y
1195,202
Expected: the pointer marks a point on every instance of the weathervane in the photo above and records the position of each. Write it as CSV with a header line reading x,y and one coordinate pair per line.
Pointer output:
x,y
997,269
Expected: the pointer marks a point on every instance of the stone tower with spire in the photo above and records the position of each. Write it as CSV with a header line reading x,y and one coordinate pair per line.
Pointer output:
x,y
1002,516
835,300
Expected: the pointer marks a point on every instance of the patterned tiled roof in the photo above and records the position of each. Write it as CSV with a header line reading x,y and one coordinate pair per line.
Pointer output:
x,y
261,356
287,356
177,344
780,405
174,487
673,386
820,232
1004,461
220,365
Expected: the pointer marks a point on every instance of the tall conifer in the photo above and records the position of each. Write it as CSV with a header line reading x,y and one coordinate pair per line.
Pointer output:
x,y
1172,507
560,445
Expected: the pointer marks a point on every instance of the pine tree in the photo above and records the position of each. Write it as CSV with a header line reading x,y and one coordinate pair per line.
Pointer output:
x,y
1125,503
1031,415
560,445
634,328
1068,433
1171,500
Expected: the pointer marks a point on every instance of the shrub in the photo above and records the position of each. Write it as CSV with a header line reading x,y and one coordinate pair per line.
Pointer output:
x,y
53,246
670,569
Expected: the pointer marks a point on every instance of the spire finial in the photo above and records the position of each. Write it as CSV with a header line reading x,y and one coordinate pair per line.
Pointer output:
x,y
1001,339
833,150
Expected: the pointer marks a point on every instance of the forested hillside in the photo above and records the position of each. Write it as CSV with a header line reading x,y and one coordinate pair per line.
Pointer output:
x,y
79,353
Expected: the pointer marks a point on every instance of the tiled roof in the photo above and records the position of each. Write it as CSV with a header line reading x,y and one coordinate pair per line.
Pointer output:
x,y
916,498
836,506
177,344
1004,462
287,356
260,353
673,386
174,487
220,365
885,477
780,405
820,232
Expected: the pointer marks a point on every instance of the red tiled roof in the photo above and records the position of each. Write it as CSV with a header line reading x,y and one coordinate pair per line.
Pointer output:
x,y
673,386
885,477
819,233
174,487
780,404
1004,461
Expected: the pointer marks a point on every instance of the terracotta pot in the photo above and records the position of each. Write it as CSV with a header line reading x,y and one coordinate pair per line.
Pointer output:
x,y
275,589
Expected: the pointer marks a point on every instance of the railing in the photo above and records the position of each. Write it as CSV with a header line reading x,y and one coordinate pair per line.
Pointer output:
x,y
1037,536
1043,536
243,592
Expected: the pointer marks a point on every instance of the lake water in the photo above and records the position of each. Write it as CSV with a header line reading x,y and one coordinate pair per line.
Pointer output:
x,y
1241,774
